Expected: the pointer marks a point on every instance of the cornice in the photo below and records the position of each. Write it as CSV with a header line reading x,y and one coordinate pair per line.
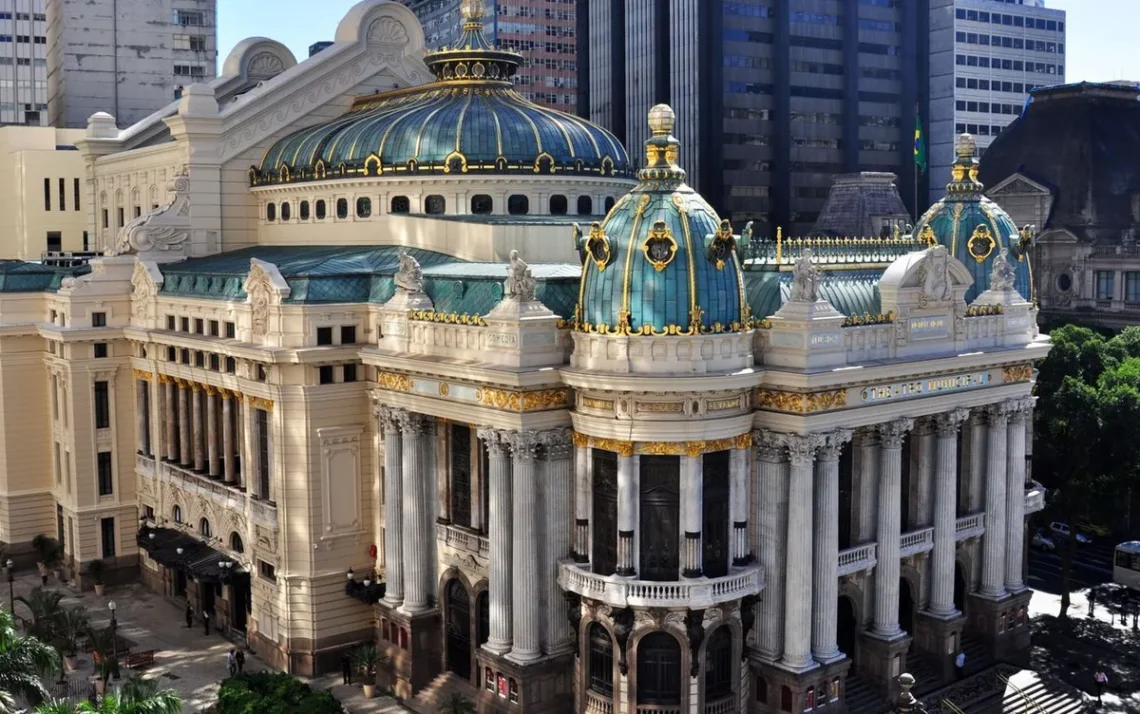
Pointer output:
x,y
476,181
437,368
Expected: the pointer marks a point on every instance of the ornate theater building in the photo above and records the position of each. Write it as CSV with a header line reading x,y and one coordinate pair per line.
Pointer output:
x,y
378,351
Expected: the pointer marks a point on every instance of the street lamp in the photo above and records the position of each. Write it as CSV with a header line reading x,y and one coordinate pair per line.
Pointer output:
x,y
114,640
11,584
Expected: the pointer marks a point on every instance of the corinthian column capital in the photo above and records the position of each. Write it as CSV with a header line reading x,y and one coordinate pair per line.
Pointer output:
x,y
833,442
413,422
770,445
558,443
802,449
494,439
998,414
1020,408
524,444
389,416
892,433
947,423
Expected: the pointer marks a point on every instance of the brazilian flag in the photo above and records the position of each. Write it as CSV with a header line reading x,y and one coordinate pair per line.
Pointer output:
x,y
919,145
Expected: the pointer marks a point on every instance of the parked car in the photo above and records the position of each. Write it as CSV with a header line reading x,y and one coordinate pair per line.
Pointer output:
x,y
1094,530
1042,540
1062,531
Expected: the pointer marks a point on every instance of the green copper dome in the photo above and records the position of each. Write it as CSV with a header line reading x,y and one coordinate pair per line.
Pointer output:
x,y
975,229
662,262
470,120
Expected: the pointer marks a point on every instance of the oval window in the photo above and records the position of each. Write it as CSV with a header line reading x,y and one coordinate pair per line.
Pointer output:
x,y
304,211
435,205
342,208
558,206
286,211
322,212
1064,282
271,211
400,204
363,207
518,205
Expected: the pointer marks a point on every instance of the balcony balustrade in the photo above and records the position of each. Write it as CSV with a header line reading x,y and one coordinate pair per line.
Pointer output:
x,y
617,591
914,542
463,540
860,558
971,525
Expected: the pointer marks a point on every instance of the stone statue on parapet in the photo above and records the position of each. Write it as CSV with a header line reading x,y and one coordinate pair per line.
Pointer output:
x,y
579,242
520,283
409,277
805,279
1004,276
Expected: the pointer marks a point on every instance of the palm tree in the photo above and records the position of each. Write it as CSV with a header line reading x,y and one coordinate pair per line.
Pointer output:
x,y
456,703
136,696
23,662
46,613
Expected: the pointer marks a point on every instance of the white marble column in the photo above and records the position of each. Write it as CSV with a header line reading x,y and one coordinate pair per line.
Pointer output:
x,y
692,513
922,476
867,456
740,499
771,450
945,513
185,450
798,578
196,427
825,580
891,437
228,449
171,422
388,424
627,512
417,550
556,497
581,499
499,534
993,542
976,468
212,436
141,424
525,592
1015,494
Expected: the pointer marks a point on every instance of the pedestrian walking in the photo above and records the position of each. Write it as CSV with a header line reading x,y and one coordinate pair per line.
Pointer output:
x,y
189,616
346,668
206,621
1101,684
231,662
240,657
960,665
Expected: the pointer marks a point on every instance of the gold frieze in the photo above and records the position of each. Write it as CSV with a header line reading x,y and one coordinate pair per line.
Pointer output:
x,y
1017,373
394,382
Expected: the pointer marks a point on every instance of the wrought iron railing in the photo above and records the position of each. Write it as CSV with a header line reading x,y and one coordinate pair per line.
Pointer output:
x,y
768,253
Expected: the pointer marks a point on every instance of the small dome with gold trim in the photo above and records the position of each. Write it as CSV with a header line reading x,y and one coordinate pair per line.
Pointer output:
x,y
662,262
470,120
975,229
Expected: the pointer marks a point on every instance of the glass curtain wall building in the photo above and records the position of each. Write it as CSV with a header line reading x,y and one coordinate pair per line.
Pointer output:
x,y
777,96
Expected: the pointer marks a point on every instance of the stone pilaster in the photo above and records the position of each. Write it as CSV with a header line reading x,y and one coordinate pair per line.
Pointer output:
x,y
212,438
825,580
798,578
229,467
417,551
993,542
891,437
171,422
141,424
581,498
627,513
525,594
185,451
499,529
692,513
945,513
557,636
196,427
741,499
771,450
1015,494
388,420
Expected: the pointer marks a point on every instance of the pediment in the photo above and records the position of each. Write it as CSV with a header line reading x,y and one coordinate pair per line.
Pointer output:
x,y
924,279
1019,185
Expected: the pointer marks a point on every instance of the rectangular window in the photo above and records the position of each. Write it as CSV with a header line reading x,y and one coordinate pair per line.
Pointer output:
x,y
98,319
348,334
261,421
460,453
1132,287
107,526
85,242
172,354
349,373
47,194
106,219
63,194
185,356
231,330
121,221
54,241
199,359
170,322
215,362
185,322
106,487
266,571
326,374
75,199
214,328
189,18
324,336
199,326
1104,284
100,350
102,405
231,365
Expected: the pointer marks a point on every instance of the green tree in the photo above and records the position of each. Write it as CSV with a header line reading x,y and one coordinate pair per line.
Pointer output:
x,y
45,610
136,696
456,703
24,661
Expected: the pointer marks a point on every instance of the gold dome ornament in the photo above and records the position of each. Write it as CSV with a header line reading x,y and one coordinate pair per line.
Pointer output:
x,y
473,10
662,120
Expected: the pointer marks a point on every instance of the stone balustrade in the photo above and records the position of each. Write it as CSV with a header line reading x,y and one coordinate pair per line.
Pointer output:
x,y
228,497
695,594
857,559
918,541
1034,499
463,540
972,525
658,709
598,703
144,466
724,705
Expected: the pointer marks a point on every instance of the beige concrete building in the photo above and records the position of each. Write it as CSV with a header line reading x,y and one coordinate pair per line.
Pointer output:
x,y
42,190
663,467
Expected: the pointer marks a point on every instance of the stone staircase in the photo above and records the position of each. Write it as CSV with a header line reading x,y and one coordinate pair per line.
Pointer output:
x,y
978,657
925,672
1006,690
862,698
438,690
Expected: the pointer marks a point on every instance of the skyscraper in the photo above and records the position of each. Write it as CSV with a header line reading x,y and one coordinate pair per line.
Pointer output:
x,y
125,58
774,96
23,62
541,30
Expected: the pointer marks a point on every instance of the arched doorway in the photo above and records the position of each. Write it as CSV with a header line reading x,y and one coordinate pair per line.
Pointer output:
x,y
847,627
906,606
458,629
719,671
659,670
959,587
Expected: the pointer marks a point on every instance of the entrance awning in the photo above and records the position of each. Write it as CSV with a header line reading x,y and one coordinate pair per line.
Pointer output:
x,y
174,549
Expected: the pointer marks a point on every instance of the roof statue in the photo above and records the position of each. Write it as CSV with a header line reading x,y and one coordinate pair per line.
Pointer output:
x,y
1004,274
520,283
936,285
409,277
805,279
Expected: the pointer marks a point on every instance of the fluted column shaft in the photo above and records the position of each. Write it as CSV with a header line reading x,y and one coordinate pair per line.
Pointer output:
x,y
171,404
499,534
825,579
196,395
740,499
228,465
772,521
798,578
922,478
212,436
581,499
692,513
627,513
417,547
525,593
1015,496
889,531
945,513
868,453
993,543
389,426
556,537
141,424
185,452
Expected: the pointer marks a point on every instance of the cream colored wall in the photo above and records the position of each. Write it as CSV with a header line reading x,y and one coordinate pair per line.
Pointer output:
x,y
137,178
26,506
28,155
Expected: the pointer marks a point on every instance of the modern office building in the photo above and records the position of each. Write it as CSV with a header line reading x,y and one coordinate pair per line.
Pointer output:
x,y
986,56
128,59
774,98
43,215
543,31
23,62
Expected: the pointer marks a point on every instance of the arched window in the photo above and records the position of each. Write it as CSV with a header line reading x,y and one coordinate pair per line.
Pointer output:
x,y
304,212
400,204
342,208
176,514
518,205
435,205
235,543
363,207
271,211
286,211
601,660
718,665
322,212
659,669
204,528
585,206
482,205
558,206
609,203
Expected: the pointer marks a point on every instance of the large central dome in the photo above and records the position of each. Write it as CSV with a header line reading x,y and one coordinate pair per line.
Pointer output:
x,y
470,120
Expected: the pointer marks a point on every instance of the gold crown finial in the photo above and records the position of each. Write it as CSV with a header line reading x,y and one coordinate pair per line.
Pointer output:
x,y
473,10
965,146
662,119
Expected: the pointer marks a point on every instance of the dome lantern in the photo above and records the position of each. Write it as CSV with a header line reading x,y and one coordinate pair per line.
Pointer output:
x,y
473,56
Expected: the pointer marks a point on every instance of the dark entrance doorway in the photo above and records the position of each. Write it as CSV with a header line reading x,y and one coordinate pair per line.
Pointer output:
x,y
715,524
847,627
458,629
660,554
605,512
483,623
959,588
906,606
179,582
239,607
206,596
